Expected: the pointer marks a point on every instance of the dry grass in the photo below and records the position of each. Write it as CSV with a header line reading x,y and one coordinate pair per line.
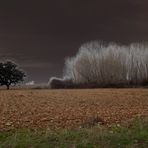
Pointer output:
x,y
70,108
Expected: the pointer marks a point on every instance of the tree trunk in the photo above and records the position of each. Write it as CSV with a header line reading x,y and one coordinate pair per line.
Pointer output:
x,y
8,87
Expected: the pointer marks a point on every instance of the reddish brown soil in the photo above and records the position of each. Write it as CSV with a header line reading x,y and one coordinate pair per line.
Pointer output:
x,y
70,108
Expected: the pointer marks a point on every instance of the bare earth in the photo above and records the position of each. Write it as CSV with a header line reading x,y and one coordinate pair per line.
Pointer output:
x,y
70,108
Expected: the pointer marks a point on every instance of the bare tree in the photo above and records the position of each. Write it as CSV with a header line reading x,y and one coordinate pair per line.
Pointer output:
x,y
108,64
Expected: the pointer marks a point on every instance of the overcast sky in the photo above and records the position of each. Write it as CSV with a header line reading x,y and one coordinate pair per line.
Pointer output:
x,y
39,34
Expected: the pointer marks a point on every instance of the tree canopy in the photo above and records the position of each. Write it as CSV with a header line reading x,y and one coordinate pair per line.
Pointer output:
x,y
10,74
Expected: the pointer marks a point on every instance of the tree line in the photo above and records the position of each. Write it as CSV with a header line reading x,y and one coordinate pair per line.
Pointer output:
x,y
98,64
105,65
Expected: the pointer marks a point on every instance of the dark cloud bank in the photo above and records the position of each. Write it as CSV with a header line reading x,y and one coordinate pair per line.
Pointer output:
x,y
40,34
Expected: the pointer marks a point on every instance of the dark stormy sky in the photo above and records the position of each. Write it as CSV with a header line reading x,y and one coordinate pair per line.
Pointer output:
x,y
39,34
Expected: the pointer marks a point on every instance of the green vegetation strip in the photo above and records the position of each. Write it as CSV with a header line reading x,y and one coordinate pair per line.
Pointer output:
x,y
133,134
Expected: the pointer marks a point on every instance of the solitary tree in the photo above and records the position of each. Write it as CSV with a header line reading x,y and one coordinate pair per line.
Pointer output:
x,y
10,74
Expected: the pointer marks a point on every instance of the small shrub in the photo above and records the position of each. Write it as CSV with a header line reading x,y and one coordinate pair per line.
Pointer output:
x,y
60,83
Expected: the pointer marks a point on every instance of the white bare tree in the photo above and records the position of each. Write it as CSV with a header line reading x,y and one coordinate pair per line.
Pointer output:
x,y
108,64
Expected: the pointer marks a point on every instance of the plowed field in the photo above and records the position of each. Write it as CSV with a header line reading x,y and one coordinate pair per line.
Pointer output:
x,y
70,108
